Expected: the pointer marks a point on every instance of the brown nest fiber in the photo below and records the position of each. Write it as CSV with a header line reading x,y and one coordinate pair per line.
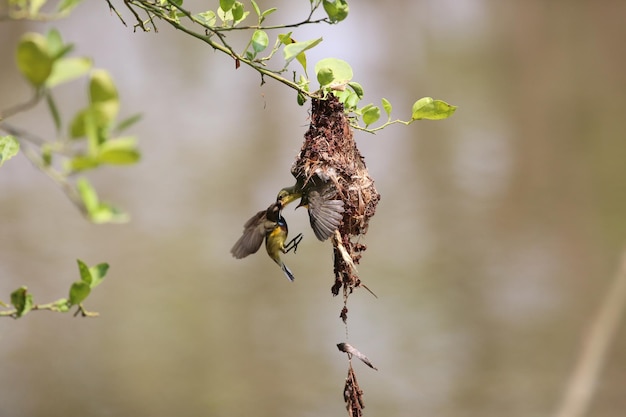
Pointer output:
x,y
329,151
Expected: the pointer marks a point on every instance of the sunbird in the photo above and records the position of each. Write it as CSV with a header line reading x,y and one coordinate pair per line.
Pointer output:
x,y
271,225
325,212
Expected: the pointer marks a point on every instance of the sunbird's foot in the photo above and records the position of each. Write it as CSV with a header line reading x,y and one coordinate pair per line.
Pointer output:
x,y
293,243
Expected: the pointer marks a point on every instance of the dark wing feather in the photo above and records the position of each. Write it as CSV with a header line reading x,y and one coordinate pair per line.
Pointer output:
x,y
253,234
325,214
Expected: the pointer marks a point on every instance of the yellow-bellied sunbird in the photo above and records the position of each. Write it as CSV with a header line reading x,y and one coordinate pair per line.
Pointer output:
x,y
275,244
268,224
325,212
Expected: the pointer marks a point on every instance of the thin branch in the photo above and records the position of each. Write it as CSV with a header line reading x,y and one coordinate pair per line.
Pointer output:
x,y
223,47
21,107
57,177
593,355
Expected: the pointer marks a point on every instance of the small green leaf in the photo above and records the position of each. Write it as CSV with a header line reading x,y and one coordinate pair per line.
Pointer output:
x,y
325,76
22,301
301,99
98,273
371,114
79,291
68,69
352,100
82,163
9,147
93,119
430,109
122,151
357,88
108,214
33,59
46,154
88,195
96,211
101,87
226,5
342,71
337,10
260,40
35,6
128,122
256,8
85,273
285,38
62,305
291,51
55,43
387,107
268,12
237,10
208,18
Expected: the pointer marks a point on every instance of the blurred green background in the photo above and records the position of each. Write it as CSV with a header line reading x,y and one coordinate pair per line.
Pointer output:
x,y
496,239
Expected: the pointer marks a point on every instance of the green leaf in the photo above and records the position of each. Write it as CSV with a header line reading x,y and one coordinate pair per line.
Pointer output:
x,y
226,5
33,58
430,109
22,301
93,119
62,305
325,76
122,151
35,6
9,147
387,107
88,195
54,111
85,273
268,12
208,18
260,40
68,5
285,38
108,214
256,8
96,211
79,291
128,122
370,114
98,273
357,88
301,98
292,50
82,162
55,42
337,10
352,100
342,71
238,14
68,69
46,154
101,87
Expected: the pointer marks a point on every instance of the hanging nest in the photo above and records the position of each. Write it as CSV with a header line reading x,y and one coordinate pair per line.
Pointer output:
x,y
330,153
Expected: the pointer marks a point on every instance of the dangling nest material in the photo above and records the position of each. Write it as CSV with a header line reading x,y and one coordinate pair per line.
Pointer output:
x,y
329,151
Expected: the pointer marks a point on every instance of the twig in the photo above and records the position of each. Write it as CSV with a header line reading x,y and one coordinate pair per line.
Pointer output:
x,y
581,386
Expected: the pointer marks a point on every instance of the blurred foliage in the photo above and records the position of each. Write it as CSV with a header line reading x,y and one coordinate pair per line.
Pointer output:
x,y
333,75
22,301
90,141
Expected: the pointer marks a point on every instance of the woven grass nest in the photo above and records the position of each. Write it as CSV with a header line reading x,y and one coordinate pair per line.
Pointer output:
x,y
330,153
